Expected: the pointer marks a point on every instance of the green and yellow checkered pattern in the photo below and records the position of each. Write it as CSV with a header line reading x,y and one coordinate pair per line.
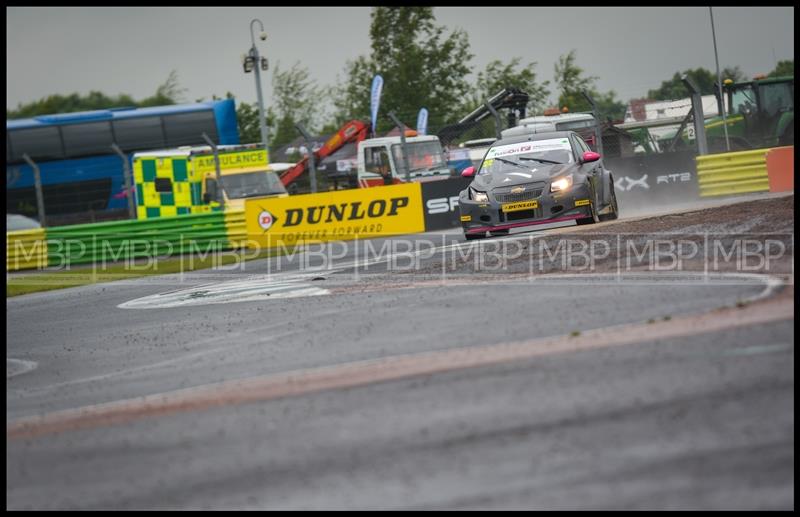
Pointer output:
x,y
181,178
184,197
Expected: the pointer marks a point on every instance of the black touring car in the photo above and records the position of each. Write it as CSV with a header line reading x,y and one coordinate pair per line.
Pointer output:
x,y
536,179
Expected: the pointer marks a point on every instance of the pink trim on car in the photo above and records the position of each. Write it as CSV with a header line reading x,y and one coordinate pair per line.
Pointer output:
x,y
517,225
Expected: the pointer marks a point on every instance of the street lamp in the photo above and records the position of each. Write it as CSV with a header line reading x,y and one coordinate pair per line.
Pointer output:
x,y
251,62
719,83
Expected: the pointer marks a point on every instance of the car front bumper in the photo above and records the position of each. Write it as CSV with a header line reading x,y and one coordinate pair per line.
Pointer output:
x,y
547,208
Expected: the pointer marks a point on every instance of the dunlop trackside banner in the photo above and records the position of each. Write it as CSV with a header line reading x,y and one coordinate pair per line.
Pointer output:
x,y
340,215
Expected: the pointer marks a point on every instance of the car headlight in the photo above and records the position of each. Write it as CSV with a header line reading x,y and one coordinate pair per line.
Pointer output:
x,y
561,184
479,197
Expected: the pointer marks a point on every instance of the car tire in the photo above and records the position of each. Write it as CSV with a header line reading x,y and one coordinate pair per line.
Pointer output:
x,y
474,236
594,218
614,214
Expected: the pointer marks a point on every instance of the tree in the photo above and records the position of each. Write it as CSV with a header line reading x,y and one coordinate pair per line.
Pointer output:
x,y
735,74
570,81
351,96
297,99
167,93
608,106
674,88
785,67
247,118
420,65
497,76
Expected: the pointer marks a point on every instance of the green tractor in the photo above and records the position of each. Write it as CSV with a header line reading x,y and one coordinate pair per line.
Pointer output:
x,y
760,113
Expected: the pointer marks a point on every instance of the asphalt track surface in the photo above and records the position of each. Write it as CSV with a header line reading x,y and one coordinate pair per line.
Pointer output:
x,y
323,395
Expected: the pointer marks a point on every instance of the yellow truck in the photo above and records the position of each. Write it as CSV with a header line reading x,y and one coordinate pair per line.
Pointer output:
x,y
184,181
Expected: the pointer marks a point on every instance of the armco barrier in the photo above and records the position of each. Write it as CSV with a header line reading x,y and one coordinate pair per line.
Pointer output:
x,y
732,173
236,228
83,244
122,240
26,249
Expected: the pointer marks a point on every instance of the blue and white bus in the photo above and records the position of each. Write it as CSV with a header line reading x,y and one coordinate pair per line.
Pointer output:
x,y
80,172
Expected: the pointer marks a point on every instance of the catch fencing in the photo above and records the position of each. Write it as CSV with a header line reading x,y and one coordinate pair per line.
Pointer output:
x,y
78,191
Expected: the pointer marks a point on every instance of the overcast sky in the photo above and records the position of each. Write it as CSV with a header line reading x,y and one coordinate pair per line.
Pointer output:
x,y
132,50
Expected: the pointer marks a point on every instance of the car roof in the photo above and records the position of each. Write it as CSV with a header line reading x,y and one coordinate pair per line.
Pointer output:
x,y
533,137
16,222
561,117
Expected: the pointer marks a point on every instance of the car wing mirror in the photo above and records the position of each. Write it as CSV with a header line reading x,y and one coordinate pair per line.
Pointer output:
x,y
469,172
590,156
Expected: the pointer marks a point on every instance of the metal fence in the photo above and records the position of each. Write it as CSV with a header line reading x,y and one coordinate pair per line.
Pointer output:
x,y
72,200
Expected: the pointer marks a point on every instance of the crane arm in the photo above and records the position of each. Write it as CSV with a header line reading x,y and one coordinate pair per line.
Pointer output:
x,y
353,131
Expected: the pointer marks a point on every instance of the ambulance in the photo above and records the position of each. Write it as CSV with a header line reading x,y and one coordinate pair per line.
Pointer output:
x,y
184,180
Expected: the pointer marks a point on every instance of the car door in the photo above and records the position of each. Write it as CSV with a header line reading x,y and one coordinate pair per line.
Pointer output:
x,y
591,169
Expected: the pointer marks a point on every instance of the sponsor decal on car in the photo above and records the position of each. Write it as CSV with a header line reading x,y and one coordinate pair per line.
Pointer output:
x,y
527,147
466,218
582,202
524,205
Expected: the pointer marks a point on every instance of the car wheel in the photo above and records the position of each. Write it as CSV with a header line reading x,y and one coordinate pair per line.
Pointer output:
x,y
474,236
594,218
499,233
614,214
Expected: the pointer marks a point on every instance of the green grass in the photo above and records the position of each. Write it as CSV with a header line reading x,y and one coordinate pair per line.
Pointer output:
x,y
83,275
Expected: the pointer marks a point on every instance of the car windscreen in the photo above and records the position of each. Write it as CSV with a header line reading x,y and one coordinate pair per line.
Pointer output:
x,y
251,184
422,156
506,158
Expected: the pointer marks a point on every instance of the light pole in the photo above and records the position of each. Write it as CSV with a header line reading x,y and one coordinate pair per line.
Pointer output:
x,y
719,83
254,62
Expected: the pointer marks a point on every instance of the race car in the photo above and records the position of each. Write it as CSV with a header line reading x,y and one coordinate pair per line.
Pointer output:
x,y
536,179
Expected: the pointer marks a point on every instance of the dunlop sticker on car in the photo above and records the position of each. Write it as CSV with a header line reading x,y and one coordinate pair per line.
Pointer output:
x,y
525,205
342,215
582,202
